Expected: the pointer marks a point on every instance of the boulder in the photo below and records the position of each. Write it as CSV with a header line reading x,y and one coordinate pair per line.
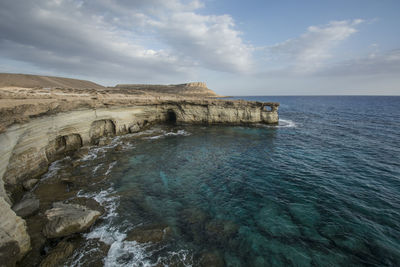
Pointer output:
x,y
66,219
28,206
149,233
29,184
14,238
87,202
58,255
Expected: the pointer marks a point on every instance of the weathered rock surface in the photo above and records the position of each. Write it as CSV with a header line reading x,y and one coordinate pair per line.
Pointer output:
x,y
28,206
149,233
66,219
13,232
29,184
58,255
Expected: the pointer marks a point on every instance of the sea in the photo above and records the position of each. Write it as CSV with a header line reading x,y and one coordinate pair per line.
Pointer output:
x,y
322,188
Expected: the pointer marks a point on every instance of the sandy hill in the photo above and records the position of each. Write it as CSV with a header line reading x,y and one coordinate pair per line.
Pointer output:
x,y
186,89
32,81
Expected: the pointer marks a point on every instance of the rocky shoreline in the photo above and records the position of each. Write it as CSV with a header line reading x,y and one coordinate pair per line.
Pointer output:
x,y
38,127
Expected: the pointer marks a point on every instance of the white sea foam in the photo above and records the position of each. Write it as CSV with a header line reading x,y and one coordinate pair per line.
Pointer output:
x,y
282,124
286,124
96,168
164,133
127,253
112,164
121,252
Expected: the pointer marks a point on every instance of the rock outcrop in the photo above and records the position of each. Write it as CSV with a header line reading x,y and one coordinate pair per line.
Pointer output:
x,y
66,219
185,89
14,237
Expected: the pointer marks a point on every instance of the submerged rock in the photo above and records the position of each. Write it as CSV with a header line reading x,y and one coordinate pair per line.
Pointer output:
x,y
66,219
211,259
221,231
149,233
28,206
29,184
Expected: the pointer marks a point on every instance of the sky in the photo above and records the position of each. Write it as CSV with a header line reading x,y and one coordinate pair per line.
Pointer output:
x,y
281,47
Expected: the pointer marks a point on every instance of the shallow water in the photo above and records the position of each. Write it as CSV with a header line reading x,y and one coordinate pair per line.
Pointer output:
x,y
321,189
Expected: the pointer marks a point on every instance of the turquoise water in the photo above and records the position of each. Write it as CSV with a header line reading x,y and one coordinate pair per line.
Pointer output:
x,y
320,189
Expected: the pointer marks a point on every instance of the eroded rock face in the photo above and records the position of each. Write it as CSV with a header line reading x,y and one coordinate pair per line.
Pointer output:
x,y
13,232
66,219
100,129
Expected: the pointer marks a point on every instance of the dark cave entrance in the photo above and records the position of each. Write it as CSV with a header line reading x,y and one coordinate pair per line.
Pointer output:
x,y
171,116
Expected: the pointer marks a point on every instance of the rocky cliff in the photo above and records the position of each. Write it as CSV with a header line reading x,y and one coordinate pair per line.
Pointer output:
x,y
185,89
39,125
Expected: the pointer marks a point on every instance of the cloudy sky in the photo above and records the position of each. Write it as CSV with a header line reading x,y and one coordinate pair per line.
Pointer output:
x,y
265,47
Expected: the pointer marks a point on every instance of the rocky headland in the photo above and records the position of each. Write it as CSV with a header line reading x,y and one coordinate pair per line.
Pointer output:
x,y
45,118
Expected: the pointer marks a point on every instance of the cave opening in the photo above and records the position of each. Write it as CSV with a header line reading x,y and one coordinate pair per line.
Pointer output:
x,y
267,108
171,116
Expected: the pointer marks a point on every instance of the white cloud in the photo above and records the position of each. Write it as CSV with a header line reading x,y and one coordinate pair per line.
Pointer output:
x,y
136,40
307,53
373,64
209,41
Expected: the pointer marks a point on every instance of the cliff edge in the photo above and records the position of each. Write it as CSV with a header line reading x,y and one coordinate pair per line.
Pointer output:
x,y
185,89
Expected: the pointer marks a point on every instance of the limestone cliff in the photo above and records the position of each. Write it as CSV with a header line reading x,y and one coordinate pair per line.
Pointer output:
x,y
185,89
38,125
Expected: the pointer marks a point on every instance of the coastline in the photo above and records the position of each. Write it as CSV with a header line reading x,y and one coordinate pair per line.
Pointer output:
x,y
39,126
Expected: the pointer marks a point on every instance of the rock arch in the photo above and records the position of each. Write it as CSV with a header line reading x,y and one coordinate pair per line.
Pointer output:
x,y
101,128
63,144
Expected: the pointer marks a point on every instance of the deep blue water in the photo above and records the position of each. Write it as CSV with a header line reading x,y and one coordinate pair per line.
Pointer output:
x,y
320,189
